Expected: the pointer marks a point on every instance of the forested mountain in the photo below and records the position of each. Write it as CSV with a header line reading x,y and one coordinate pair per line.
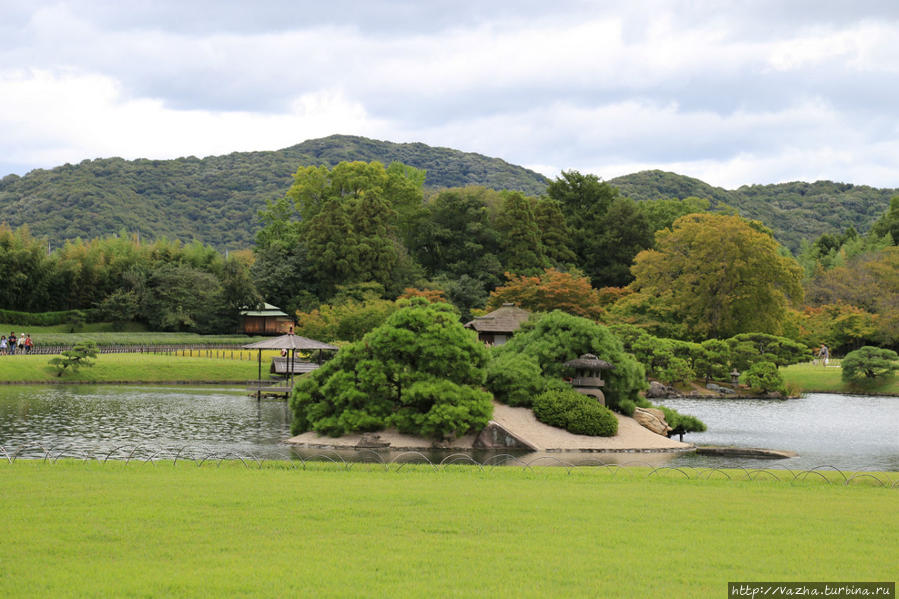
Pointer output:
x,y
794,211
216,199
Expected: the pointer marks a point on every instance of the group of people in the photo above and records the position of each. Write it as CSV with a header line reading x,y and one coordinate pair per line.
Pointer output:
x,y
12,345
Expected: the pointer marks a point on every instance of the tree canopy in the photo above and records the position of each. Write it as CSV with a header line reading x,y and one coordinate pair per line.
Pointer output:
x,y
720,275
420,371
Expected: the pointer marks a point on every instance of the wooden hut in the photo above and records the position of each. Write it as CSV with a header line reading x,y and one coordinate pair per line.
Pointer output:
x,y
268,320
498,326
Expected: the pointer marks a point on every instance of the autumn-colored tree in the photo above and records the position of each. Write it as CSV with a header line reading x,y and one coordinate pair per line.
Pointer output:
x,y
432,295
720,275
870,283
552,290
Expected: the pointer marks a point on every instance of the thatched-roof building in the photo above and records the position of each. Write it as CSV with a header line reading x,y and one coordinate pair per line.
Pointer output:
x,y
496,327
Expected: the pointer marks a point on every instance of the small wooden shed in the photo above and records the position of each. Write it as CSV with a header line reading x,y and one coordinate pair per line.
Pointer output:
x,y
498,326
268,320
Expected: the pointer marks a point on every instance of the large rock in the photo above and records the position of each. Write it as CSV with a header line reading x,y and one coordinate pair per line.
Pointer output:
x,y
652,419
657,390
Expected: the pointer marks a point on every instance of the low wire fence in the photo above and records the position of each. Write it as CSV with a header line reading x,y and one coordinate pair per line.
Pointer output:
x,y
225,352
200,457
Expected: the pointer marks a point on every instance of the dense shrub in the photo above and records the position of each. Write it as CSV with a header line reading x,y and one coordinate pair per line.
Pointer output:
x,y
420,371
869,363
557,337
627,407
575,412
515,379
763,377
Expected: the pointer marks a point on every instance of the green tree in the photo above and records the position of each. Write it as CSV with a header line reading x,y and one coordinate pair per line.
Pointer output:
x,y
82,354
720,276
554,234
661,214
607,230
420,371
516,223
764,377
557,337
888,224
869,363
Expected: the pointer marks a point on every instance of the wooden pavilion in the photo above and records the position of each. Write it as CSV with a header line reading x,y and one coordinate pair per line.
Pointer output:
x,y
286,366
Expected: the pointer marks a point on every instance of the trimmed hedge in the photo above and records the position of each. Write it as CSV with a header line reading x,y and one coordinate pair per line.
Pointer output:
x,y
575,412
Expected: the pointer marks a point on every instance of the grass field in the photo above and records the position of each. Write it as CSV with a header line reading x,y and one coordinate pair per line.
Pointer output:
x,y
141,368
808,378
101,335
74,529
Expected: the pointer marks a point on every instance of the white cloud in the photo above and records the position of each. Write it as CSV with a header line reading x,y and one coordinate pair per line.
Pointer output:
x,y
69,116
754,92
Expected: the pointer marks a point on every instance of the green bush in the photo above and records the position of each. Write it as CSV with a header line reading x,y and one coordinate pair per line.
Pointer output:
x,y
764,377
515,379
682,423
575,412
627,407
868,363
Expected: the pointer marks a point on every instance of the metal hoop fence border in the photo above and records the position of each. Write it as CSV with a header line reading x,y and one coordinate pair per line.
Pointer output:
x,y
199,456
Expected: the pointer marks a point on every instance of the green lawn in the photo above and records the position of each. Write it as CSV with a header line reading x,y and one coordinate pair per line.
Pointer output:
x,y
808,378
102,335
140,368
74,529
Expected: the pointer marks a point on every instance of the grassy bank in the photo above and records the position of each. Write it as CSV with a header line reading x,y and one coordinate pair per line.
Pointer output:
x,y
98,530
140,368
810,378
59,335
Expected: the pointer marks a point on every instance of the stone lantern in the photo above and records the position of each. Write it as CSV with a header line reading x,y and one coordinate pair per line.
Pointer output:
x,y
587,375
735,377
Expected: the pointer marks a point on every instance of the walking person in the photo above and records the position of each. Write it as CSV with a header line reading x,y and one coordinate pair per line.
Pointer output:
x,y
11,340
20,344
29,344
3,345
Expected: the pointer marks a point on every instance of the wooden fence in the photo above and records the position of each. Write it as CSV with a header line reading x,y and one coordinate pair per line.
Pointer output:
x,y
226,352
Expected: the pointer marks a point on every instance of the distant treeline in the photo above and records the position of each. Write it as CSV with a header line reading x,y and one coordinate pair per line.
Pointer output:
x,y
215,200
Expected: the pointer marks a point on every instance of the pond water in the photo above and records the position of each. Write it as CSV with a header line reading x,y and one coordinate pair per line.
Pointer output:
x,y
96,419
847,432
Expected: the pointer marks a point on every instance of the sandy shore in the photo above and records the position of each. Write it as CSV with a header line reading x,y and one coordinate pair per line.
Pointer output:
x,y
520,422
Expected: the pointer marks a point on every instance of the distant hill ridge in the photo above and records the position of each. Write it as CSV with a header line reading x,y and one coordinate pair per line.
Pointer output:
x,y
794,211
215,199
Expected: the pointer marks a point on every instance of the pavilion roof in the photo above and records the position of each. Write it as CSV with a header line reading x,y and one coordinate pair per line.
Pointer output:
x,y
290,342
506,319
266,310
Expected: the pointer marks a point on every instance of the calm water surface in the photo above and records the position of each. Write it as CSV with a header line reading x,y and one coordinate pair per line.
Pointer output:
x,y
844,431
99,418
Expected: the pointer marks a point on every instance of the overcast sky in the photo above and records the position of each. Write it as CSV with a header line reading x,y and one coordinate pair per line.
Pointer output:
x,y
730,92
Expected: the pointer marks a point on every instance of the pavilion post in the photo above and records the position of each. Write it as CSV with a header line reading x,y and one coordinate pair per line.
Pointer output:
x,y
259,386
